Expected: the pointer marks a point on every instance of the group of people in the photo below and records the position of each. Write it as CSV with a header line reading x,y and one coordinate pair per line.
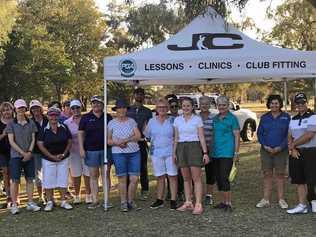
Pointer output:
x,y
65,142
180,146
288,142
47,148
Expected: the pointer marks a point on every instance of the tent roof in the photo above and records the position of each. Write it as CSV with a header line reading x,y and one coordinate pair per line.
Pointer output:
x,y
209,50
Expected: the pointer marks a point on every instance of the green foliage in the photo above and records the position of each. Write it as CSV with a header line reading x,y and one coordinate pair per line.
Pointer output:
x,y
7,14
195,7
295,28
55,44
153,23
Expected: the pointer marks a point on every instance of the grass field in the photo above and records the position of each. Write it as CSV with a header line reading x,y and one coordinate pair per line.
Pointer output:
x,y
245,220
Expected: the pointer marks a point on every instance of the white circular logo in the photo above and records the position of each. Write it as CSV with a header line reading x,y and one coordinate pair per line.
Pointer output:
x,y
127,67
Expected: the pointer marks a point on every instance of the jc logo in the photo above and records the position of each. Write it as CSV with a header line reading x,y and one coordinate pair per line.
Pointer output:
x,y
204,41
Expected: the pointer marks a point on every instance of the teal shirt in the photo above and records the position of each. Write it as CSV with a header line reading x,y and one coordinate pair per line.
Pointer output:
x,y
224,139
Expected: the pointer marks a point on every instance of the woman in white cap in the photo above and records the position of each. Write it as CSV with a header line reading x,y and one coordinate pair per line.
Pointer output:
x,y
6,113
36,110
77,165
21,133
55,142
302,149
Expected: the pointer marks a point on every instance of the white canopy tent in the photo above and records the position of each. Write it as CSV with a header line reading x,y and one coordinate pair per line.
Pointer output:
x,y
209,50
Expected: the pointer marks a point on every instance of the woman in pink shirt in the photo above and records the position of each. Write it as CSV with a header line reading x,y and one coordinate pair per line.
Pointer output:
x,y
77,165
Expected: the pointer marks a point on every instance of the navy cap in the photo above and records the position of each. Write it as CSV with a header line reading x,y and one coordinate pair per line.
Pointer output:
x,y
300,97
96,98
120,103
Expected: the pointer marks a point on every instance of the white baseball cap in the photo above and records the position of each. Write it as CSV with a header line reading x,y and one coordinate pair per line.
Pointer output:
x,y
20,103
34,103
75,103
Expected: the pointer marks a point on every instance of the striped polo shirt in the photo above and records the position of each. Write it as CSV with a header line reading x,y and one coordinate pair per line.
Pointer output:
x,y
301,124
208,129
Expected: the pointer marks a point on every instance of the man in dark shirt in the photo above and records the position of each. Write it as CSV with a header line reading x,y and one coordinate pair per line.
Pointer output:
x,y
141,115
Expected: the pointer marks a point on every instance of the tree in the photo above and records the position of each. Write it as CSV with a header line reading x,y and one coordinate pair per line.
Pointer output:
x,y
295,21
60,41
143,27
7,15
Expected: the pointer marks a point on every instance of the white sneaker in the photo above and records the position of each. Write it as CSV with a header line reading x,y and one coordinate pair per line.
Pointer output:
x,y
283,204
14,209
32,206
107,206
49,206
77,199
88,198
64,204
263,203
299,209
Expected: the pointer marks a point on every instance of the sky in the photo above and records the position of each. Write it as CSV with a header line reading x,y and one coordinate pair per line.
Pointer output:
x,y
251,10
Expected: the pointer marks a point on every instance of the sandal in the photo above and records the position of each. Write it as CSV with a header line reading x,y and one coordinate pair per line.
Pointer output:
x,y
187,206
198,209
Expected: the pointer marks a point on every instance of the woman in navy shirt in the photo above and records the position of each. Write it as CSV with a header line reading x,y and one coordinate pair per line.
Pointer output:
x,y
54,141
272,135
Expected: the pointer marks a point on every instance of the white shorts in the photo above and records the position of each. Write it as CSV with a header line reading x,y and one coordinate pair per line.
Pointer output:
x,y
164,165
55,174
77,166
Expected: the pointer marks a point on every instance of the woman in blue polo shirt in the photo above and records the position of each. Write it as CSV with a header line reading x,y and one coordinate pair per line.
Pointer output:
x,y
272,135
225,149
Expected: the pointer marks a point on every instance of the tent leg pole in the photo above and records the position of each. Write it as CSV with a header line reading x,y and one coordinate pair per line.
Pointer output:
x,y
314,94
105,167
285,94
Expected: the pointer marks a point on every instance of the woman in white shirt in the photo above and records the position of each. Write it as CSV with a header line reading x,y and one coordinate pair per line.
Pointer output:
x,y
190,153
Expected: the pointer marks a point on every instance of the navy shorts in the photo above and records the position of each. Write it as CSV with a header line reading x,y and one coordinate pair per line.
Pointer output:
x,y
4,160
94,158
126,163
16,166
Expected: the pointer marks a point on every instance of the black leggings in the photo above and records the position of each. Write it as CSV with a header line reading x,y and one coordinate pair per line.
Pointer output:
x,y
223,167
210,173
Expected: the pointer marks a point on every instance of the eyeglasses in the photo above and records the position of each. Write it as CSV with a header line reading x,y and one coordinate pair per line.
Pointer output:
x,y
162,107
75,107
174,106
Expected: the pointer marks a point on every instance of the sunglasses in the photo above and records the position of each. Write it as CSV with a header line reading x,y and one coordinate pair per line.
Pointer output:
x,y
75,107
174,106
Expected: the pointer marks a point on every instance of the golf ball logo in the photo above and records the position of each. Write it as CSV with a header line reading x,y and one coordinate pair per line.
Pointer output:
x,y
127,67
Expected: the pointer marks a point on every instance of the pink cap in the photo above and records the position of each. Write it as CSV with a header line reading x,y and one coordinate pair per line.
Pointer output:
x,y
35,103
20,103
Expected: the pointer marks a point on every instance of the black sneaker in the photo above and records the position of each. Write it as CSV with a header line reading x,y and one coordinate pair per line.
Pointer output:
x,y
180,197
133,206
124,207
173,205
220,206
157,204
208,200
228,208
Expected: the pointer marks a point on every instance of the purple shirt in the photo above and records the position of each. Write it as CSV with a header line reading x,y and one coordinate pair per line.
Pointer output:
x,y
73,128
